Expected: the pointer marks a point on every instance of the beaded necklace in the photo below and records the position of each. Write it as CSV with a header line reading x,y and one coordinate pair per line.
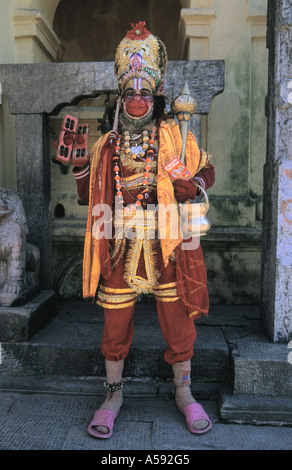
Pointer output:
x,y
146,150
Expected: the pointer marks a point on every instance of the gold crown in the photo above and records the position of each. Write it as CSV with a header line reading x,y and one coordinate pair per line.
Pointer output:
x,y
140,54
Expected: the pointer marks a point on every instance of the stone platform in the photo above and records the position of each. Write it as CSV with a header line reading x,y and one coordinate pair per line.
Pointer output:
x,y
22,322
233,362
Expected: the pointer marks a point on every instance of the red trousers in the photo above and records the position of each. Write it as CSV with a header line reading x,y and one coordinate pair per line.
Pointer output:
x,y
177,328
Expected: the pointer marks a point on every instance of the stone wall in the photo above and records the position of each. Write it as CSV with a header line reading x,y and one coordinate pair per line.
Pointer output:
x,y
277,239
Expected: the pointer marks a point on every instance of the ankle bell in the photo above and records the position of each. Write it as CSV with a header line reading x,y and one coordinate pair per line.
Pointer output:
x,y
113,387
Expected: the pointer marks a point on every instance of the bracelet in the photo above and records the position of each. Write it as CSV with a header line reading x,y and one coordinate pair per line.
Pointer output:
x,y
114,387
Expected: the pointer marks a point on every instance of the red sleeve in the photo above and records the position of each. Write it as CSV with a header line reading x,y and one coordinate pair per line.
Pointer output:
x,y
206,176
82,177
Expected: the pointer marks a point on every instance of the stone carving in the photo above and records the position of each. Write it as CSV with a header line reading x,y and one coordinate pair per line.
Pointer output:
x,y
19,260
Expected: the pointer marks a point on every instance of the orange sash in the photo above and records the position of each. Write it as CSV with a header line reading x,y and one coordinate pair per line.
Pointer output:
x,y
170,145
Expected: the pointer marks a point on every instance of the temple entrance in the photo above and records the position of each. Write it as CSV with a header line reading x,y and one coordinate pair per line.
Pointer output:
x,y
91,30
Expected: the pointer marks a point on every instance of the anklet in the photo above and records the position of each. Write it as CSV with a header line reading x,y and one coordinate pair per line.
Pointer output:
x,y
114,387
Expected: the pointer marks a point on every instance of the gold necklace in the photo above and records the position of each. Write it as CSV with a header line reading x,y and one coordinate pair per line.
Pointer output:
x,y
131,143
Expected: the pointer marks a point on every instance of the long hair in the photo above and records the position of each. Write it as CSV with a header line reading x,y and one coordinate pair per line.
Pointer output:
x,y
159,110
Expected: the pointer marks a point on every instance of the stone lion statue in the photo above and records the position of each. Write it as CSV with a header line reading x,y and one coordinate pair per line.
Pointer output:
x,y
19,260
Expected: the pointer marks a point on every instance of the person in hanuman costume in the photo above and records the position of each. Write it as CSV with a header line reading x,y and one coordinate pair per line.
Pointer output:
x,y
126,169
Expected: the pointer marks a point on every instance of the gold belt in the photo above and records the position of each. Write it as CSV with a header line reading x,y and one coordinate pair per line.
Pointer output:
x,y
118,298
113,298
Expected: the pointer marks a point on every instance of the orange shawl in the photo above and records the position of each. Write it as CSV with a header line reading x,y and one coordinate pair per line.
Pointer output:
x,y
170,145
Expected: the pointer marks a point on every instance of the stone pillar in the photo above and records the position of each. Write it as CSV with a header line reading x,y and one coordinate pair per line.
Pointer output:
x,y
35,38
193,42
276,295
34,186
194,28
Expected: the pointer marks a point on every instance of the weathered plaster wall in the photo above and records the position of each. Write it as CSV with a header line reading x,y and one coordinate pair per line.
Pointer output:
x,y
26,36
7,55
234,132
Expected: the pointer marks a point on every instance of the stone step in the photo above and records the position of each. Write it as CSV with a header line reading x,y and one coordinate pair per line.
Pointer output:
x,y
233,360
21,322
261,368
69,346
261,390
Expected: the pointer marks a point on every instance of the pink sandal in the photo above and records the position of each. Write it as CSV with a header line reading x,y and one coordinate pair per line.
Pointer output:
x,y
195,412
102,418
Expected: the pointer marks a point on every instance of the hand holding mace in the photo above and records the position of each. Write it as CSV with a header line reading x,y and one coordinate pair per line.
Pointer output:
x,y
184,106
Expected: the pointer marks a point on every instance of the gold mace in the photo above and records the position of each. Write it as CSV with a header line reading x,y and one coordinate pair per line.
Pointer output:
x,y
184,106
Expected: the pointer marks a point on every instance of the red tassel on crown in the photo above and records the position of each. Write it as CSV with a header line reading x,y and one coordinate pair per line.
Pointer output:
x,y
138,32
